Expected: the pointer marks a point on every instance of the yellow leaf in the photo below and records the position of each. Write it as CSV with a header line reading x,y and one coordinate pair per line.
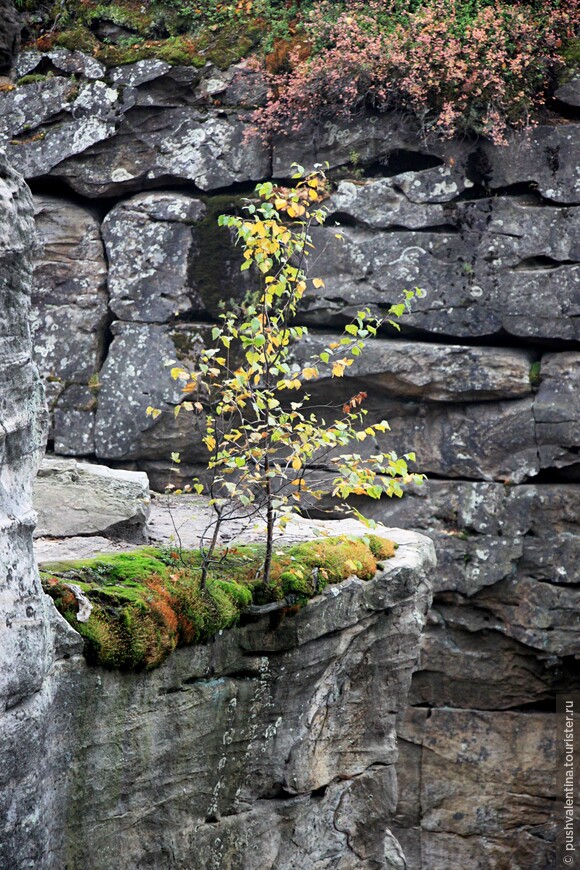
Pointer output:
x,y
310,373
279,204
296,463
337,369
318,282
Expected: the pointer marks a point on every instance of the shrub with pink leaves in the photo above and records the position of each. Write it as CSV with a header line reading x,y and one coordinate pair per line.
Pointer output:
x,y
457,67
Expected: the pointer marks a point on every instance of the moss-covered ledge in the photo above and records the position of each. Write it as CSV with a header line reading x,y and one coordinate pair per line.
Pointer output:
x,y
271,746
133,609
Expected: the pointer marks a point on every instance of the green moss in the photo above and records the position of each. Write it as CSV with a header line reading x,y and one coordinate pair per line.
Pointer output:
x,y
32,78
77,38
180,33
147,602
381,548
571,55
117,567
228,45
535,373
138,17
307,568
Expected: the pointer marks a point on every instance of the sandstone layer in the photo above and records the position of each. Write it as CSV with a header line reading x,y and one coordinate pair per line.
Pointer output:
x,y
482,383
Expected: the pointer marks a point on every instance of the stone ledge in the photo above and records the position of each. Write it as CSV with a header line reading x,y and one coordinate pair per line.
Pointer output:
x,y
77,498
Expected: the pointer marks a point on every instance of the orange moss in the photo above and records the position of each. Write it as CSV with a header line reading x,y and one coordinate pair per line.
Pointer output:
x,y
286,51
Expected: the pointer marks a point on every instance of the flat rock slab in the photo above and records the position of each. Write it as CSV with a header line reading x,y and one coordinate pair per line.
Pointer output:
x,y
183,521
49,550
76,498
433,372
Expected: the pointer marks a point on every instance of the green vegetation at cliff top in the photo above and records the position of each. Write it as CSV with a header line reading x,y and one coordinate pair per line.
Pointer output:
x,y
147,602
192,33
456,67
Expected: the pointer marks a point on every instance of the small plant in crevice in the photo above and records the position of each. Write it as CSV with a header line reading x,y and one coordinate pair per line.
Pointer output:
x,y
535,374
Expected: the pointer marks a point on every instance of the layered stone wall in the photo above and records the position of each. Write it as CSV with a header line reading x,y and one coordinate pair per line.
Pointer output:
x,y
130,167
271,747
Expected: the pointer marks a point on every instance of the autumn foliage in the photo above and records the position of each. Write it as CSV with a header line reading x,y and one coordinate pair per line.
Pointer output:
x,y
267,447
456,67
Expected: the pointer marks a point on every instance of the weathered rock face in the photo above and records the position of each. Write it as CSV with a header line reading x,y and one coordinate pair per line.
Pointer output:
x,y
273,746
69,317
25,649
569,93
123,430
69,292
151,247
489,266
9,36
103,139
476,768
476,789
75,498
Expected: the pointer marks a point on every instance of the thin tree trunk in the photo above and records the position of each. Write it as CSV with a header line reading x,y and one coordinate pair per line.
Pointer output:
x,y
210,551
270,520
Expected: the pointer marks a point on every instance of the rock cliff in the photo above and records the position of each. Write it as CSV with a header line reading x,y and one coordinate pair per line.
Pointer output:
x,y
25,651
273,746
130,166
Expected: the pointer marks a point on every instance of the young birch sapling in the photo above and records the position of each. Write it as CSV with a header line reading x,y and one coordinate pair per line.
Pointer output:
x,y
266,445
